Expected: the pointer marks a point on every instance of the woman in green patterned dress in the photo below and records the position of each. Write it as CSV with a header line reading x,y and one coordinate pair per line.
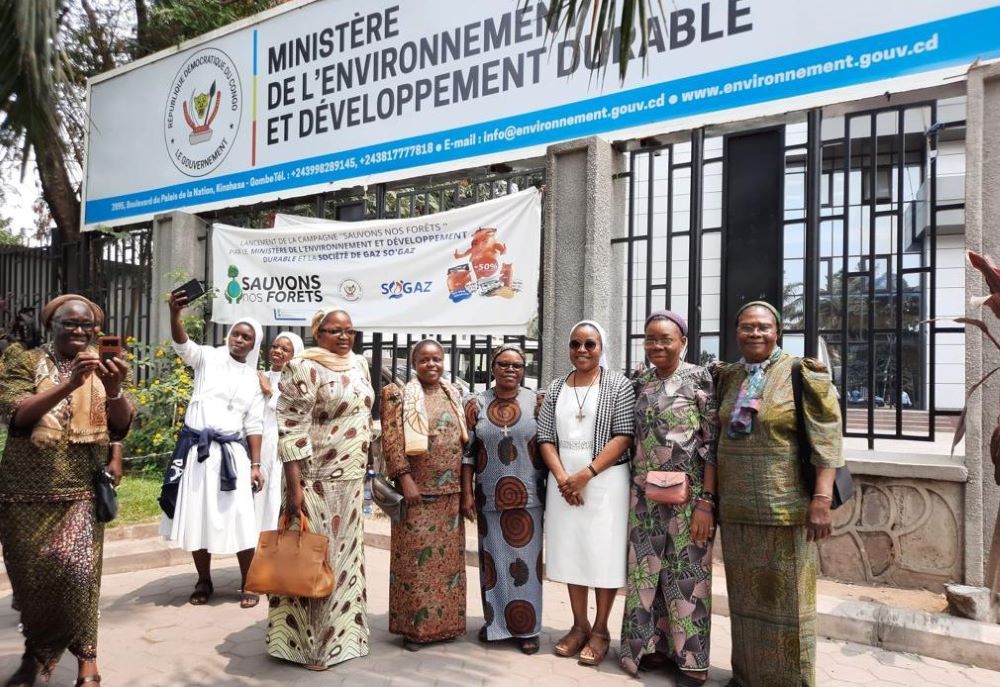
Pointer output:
x,y
668,607
324,429
769,521
63,405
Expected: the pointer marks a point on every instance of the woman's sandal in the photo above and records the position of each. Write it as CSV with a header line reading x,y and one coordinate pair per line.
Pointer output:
x,y
481,635
529,645
572,642
685,680
203,590
249,600
94,679
594,656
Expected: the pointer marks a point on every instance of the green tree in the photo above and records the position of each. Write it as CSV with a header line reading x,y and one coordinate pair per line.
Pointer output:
x,y
49,48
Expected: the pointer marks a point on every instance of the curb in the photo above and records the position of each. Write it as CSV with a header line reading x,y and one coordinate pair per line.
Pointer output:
x,y
936,635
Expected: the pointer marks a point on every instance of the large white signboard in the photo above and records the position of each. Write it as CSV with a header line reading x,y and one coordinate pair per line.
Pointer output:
x,y
472,270
322,94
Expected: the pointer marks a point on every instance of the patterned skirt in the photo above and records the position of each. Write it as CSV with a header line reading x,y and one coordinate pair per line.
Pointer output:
x,y
510,572
324,632
427,571
771,578
668,602
53,552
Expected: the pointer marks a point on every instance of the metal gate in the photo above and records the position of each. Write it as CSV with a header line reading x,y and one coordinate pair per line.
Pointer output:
x,y
862,212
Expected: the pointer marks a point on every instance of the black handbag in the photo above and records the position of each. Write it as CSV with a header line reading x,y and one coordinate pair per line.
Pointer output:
x,y
385,496
843,483
105,497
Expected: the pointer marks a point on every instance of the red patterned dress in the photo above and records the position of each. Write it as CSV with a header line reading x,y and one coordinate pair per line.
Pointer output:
x,y
427,554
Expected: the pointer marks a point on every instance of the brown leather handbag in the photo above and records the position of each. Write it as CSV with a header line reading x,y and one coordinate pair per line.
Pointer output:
x,y
667,487
291,563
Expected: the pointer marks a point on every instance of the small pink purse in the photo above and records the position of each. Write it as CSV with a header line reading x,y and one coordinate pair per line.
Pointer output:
x,y
668,488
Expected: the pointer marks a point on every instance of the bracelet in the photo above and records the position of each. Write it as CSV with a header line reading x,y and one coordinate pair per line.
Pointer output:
x,y
255,465
710,496
710,502
121,395
590,466
823,496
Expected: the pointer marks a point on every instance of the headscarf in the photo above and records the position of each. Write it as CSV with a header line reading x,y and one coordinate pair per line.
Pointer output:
x,y
760,304
253,357
503,348
416,422
748,399
668,315
603,362
321,315
297,345
49,309
328,359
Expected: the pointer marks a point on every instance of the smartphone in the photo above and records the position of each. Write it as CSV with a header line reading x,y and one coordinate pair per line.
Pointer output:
x,y
109,347
192,289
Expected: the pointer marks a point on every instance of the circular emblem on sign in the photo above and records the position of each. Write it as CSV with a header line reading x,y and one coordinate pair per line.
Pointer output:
x,y
203,112
350,290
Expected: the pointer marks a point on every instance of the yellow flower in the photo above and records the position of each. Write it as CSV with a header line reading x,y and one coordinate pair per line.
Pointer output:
x,y
160,353
156,382
178,361
180,410
142,399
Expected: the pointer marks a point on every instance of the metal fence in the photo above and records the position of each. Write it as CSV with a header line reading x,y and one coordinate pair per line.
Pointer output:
x,y
112,269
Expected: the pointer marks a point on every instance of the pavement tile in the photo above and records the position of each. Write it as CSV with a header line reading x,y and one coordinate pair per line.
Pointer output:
x,y
151,637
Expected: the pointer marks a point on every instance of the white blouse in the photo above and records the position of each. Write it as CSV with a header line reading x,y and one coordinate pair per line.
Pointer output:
x,y
226,394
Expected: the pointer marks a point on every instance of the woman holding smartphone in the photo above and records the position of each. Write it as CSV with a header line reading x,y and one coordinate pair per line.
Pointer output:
x,y
207,495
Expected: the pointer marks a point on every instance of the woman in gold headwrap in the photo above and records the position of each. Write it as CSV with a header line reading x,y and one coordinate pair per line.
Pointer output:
x,y
324,430
64,406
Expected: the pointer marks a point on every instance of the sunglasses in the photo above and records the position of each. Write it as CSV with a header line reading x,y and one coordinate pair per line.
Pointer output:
x,y
589,344
337,331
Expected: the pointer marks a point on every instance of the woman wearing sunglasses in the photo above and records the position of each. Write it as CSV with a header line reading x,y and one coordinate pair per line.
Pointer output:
x,y
502,457
324,430
584,434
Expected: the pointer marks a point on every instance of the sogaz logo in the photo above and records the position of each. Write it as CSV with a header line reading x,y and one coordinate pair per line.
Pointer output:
x,y
398,289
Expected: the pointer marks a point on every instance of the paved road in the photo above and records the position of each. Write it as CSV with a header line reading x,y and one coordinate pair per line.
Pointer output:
x,y
151,637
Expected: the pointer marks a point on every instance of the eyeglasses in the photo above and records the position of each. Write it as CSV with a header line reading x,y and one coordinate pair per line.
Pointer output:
x,y
653,343
510,366
337,331
71,325
752,328
589,344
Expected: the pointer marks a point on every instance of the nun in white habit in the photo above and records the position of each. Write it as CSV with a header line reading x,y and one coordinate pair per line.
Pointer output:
x,y
267,501
208,493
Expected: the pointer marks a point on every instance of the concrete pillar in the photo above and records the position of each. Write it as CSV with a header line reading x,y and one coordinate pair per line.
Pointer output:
x,y
179,247
982,234
582,272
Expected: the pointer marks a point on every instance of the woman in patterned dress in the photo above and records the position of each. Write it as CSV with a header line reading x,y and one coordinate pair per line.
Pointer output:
x,y
668,606
63,406
423,434
503,456
585,432
771,521
324,428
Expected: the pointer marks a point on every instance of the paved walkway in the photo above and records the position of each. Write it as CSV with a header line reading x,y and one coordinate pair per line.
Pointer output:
x,y
151,637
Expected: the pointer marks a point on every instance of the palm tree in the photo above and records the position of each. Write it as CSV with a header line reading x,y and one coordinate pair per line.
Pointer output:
x,y
607,29
37,100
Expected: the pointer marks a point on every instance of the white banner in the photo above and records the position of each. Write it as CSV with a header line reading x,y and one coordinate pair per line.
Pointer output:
x,y
473,270
341,91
